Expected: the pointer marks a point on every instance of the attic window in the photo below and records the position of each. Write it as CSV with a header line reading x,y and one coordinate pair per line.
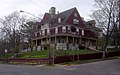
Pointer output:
x,y
59,20
75,14
76,21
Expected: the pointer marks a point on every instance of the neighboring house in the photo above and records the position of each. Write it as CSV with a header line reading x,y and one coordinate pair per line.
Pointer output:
x,y
65,30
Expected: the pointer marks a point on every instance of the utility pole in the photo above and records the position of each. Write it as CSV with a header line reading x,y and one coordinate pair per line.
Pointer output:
x,y
119,13
48,47
49,51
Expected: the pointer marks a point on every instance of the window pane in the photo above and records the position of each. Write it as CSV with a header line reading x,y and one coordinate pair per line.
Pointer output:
x,y
56,30
63,28
75,21
43,32
82,32
59,20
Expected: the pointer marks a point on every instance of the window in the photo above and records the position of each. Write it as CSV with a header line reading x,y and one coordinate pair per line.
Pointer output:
x,y
59,20
77,30
38,27
69,29
63,29
56,30
35,34
48,31
43,32
100,34
82,32
40,32
75,14
75,21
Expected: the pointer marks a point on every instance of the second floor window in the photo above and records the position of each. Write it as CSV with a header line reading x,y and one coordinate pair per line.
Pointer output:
x,y
40,32
82,32
63,29
43,32
77,30
69,29
48,31
56,30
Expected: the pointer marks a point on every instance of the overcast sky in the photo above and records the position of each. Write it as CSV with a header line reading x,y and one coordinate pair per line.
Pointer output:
x,y
38,7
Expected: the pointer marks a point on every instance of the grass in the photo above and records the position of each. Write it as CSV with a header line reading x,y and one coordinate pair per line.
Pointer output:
x,y
6,55
113,49
44,54
34,54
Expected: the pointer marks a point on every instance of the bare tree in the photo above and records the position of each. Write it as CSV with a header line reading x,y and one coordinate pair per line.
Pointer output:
x,y
11,29
27,31
106,16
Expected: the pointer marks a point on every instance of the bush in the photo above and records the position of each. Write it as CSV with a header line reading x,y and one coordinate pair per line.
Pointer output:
x,y
81,47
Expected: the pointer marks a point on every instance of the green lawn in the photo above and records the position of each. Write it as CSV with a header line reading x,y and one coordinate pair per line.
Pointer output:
x,y
44,54
34,54
6,55
113,49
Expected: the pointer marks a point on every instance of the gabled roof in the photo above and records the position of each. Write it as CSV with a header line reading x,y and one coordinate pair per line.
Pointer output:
x,y
89,27
63,15
46,18
66,14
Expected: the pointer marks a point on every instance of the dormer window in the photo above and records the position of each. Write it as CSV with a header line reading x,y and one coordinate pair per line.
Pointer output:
x,y
59,20
76,21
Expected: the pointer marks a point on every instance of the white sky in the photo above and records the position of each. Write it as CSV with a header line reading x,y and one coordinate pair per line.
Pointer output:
x,y
38,7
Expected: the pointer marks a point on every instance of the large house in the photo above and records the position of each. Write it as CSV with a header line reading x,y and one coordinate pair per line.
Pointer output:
x,y
65,30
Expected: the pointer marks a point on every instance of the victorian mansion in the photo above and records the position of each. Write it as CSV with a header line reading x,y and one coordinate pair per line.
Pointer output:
x,y
65,30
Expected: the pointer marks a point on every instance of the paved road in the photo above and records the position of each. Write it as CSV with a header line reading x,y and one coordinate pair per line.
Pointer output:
x,y
109,67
